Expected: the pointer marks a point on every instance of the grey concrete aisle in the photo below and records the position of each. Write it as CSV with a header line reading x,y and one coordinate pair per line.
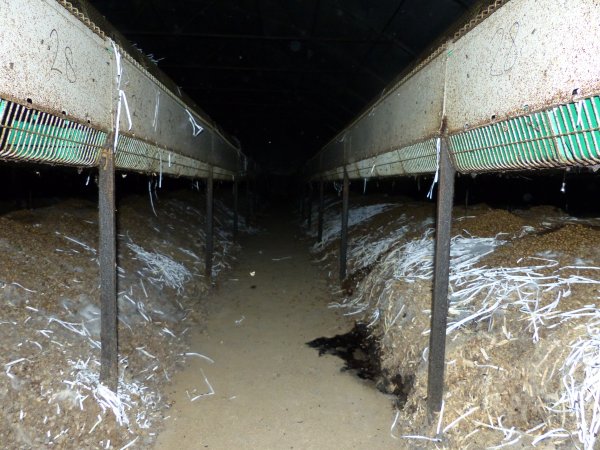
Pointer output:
x,y
271,391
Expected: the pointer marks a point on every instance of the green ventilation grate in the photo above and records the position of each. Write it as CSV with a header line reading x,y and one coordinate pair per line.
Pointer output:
x,y
27,134
565,135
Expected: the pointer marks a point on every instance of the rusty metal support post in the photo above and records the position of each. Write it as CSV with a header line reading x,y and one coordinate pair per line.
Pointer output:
x,y
209,225
309,207
109,354
439,304
321,211
344,237
235,208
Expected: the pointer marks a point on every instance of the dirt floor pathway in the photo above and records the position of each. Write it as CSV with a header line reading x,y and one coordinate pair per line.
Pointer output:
x,y
271,391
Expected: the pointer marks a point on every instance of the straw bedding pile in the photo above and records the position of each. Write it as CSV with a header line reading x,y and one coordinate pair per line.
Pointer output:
x,y
523,335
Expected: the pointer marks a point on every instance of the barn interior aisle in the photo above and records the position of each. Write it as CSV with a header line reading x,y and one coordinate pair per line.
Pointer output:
x,y
271,390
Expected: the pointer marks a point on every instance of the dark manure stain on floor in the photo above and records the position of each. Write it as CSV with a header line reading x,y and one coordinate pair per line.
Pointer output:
x,y
361,354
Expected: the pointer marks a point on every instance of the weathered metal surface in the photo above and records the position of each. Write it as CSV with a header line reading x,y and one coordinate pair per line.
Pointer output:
x,y
526,56
439,304
52,61
158,116
409,113
344,228
209,240
107,258
62,72
521,92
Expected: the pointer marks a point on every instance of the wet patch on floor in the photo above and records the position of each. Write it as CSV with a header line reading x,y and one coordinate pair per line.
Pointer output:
x,y
361,354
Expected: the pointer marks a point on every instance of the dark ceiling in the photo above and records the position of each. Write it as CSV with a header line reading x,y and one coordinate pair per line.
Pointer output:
x,y
283,76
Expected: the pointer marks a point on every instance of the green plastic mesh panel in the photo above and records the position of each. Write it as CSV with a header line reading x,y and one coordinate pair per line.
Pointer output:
x,y
419,158
27,134
561,136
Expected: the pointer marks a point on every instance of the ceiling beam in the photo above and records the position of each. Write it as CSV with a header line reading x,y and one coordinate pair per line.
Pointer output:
x,y
404,47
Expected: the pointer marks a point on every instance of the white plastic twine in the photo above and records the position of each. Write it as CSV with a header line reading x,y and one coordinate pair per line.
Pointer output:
x,y
156,107
122,97
196,128
437,168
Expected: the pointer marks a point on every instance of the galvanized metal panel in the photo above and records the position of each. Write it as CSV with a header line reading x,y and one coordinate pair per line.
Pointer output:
x,y
410,112
158,116
47,55
528,55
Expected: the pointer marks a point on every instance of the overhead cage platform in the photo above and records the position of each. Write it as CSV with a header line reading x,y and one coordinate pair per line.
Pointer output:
x,y
73,92
515,89
69,88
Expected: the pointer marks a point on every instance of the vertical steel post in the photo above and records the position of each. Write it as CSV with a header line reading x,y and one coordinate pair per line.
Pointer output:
x,y
321,211
344,237
235,208
109,354
439,304
209,224
309,207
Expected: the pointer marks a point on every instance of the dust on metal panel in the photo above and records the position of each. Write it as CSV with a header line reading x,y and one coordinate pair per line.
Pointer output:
x,y
49,59
527,56
410,113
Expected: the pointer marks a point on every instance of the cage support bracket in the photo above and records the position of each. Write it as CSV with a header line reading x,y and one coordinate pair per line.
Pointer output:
x,y
109,369
439,304
209,224
344,237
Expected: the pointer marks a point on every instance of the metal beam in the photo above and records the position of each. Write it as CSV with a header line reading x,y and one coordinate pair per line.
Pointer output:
x,y
344,237
357,19
209,244
439,304
107,257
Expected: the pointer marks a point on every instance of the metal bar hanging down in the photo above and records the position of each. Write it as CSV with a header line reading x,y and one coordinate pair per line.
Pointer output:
x,y
109,354
309,207
439,304
209,224
321,211
235,208
344,237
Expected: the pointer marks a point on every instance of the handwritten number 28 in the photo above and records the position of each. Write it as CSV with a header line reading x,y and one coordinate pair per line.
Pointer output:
x,y
57,66
507,51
